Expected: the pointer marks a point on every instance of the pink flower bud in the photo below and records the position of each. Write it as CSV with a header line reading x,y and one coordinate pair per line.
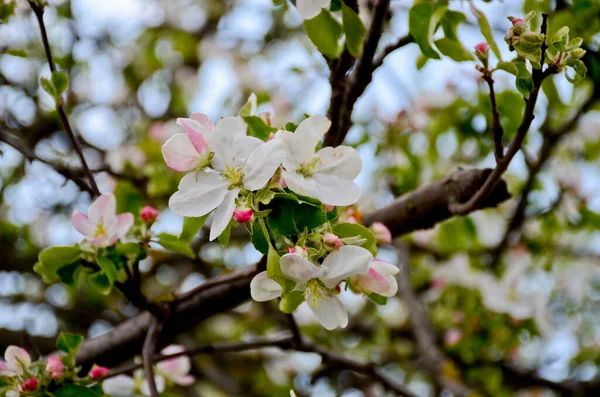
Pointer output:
x,y
30,384
55,367
516,21
98,372
329,208
243,214
482,48
332,241
381,232
452,337
149,214
297,250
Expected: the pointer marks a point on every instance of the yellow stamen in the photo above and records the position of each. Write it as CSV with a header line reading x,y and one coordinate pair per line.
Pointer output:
x,y
315,293
308,169
233,175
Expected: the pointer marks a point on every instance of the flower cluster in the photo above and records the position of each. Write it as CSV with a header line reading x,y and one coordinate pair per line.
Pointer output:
x,y
173,371
265,183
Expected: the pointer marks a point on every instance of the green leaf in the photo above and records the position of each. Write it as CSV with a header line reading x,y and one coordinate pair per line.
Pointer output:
x,y
60,81
524,79
325,32
69,343
260,237
454,50
48,87
346,230
336,5
69,274
291,127
224,236
191,227
486,30
249,107
274,270
50,260
292,215
172,243
129,198
290,302
560,39
6,10
108,268
100,282
130,250
579,68
73,390
258,128
354,30
450,22
377,299
508,67
423,18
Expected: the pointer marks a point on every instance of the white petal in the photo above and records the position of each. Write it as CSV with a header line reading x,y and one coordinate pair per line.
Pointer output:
x,y
299,184
230,144
174,368
309,9
262,163
346,262
179,153
331,313
103,209
342,161
124,223
384,268
393,287
16,358
262,288
119,386
300,146
334,190
298,268
160,385
199,193
223,214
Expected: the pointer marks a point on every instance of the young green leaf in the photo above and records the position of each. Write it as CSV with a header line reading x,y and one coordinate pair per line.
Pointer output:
x,y
48,87
423,19
290,302
453,49
258,128
346,230
69,343
60,81
291,215
100,282
486,30
50,260
377,299
354,30
108,268
172,243
325,32
191,227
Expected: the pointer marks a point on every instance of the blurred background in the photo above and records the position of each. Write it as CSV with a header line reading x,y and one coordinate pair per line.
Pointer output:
x,y
137,65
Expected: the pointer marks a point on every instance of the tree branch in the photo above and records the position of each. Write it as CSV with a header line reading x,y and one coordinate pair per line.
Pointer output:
x,y
497,128
38,10
433,358
401,42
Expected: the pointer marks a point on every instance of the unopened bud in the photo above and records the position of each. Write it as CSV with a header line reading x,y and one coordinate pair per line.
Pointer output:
x,y
329,208
332,241
30,384
381,232
98,372
243,214
297,250
577,53
55,367
149,214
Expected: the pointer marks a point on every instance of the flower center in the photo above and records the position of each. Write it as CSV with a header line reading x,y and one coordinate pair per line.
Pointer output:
x,y
100,231
315,293
308,169
233,175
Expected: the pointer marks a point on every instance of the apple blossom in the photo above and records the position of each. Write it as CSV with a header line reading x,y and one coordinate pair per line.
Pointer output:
x,y
102,227
98,372
55,367
17,360
317,282
379,278
242,214
381,232
309,9
119,386
177,370
149,214
185,152
332,242
30,384
326,175
239,162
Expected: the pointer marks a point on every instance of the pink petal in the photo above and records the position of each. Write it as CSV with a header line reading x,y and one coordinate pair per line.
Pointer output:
x,y
103,209
124,223
373,281
82,224
204,120
187,380
195,132
179,153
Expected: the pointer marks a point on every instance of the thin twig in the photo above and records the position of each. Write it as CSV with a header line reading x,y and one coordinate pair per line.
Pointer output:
x,y
148,354
497,129
433,358
538,77
401,42
38,10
